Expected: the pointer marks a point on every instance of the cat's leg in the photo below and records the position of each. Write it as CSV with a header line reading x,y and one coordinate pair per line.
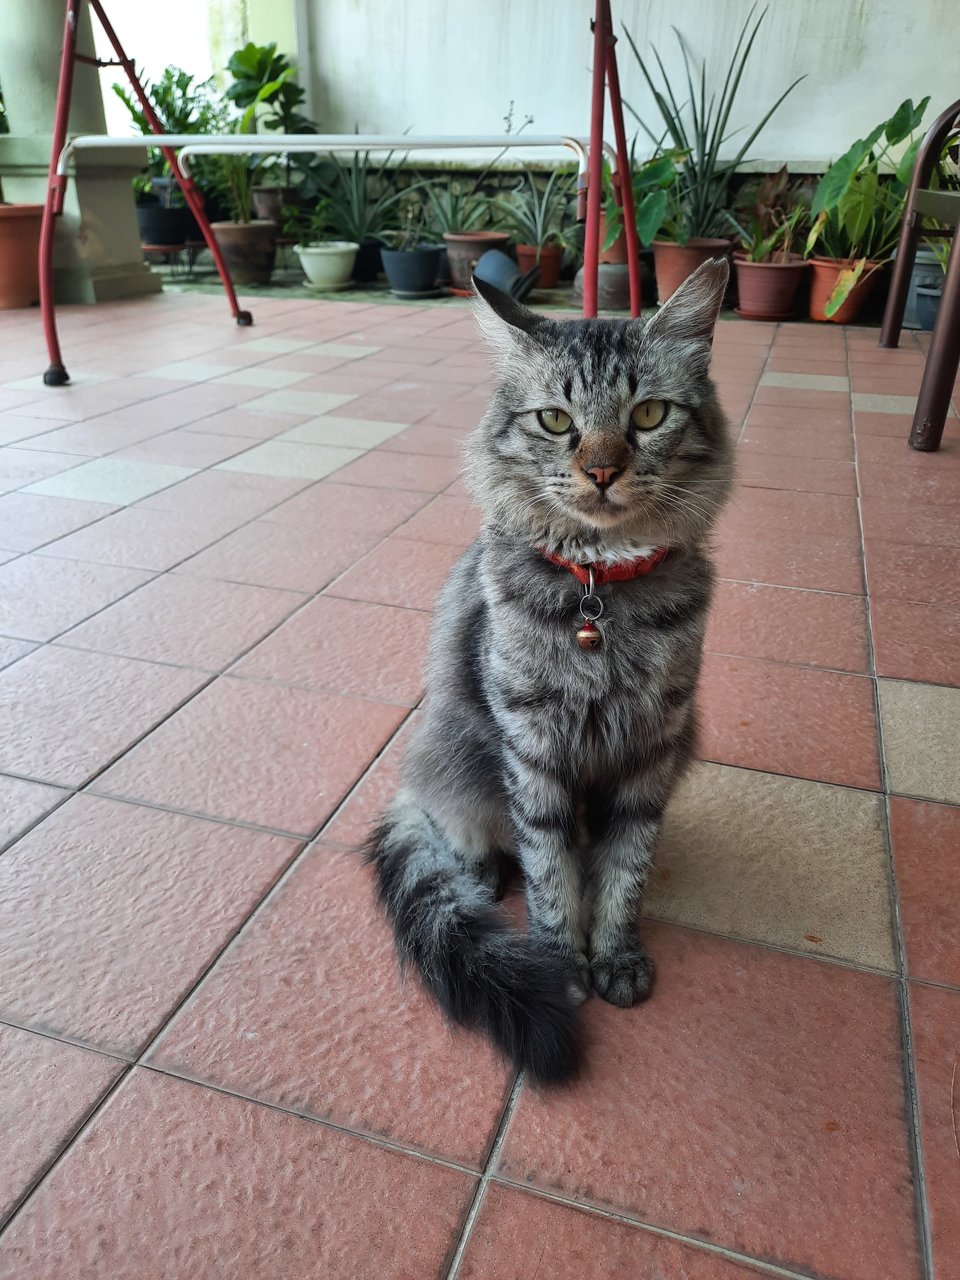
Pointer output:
x,y
625,820
543,811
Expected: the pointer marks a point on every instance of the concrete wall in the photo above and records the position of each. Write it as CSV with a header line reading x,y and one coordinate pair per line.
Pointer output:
x,y
452,66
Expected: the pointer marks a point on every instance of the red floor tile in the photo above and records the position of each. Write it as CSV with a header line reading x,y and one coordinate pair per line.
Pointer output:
x,y
28,520
926,851
328,507
186,448
812,475
796,442
400,572
423,472
110,912
806,400
775,513
46,1090
446,518
824,421
902,520
307,1010
924,481
810,628
793,720
346,646
916,641
363,808
812,561
22,803
201,1184
40,596
935,1015
921,574
518,1236
186,621
227,492
281,556
64,714
381,408
756,1101
144,538
274,756
423,439
247,426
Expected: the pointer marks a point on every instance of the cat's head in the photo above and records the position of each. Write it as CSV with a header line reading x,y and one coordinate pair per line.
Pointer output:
x,y
603,435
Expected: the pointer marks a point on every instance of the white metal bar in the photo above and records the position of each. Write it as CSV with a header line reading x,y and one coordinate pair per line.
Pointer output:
x,y
258,143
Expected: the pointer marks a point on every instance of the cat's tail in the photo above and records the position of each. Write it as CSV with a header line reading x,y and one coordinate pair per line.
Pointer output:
x,y
482,974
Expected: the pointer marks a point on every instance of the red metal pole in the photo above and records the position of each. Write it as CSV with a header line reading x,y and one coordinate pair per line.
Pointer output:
x,y
591,235
187,185
623,168
56,375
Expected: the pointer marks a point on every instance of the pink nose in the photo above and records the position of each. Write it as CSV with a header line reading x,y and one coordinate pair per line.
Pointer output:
x,y
602,477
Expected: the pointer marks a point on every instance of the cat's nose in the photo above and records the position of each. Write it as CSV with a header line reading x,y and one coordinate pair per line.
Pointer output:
x,y
603,477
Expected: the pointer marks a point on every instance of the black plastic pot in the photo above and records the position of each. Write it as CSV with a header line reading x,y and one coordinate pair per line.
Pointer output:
x,y
368,264
411,271
927,306
162,226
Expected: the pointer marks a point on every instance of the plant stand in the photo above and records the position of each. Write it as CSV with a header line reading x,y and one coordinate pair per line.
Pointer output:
x,y
56,374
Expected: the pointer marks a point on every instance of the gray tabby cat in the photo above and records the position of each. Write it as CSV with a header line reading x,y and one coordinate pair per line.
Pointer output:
x,y
604,445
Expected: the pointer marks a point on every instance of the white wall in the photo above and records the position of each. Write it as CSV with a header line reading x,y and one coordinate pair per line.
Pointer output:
x,y
453,66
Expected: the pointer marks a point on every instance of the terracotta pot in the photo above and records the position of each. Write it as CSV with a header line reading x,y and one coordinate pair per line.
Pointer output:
x,y
269,202
825,273
618,250
548,257
766,290
463,250
674,262
19,251
249,248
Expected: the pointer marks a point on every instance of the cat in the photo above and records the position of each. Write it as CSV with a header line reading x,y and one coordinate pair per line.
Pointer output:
x,y
550,734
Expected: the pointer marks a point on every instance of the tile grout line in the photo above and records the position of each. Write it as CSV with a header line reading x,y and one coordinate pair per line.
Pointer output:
x,y
639,1224
491,1162
911,1099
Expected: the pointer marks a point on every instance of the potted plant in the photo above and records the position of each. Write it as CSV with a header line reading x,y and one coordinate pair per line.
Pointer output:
x,y
694,228
327,263
253,67
651,181
19,246
537,220
248,244
770,214
412,265
458,213
857,211
182,106
363,201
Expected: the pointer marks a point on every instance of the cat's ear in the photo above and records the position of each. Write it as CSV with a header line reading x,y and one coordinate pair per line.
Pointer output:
x,y
505,323
690,314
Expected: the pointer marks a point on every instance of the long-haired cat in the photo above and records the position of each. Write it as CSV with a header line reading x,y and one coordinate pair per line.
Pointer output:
x,y
559,718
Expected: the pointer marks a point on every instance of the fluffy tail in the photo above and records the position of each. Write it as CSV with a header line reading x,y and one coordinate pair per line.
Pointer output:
x,y
482,974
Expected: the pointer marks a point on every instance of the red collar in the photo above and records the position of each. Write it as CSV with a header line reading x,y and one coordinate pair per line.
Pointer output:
x,y
622,571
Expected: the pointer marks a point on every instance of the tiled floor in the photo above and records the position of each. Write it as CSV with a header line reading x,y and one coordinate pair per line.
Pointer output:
x,y
219,551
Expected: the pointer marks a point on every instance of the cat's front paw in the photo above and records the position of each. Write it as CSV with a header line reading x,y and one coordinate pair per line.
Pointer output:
x,y
623,979
578,977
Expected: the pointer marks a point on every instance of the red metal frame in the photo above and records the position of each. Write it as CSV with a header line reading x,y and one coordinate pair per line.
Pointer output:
x,y
56,374
606,75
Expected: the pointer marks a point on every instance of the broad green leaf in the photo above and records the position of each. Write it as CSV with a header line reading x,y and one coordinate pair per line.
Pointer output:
x,y
655,174
904,120
650,214
907,161
815,233
834,183
846,281
859,205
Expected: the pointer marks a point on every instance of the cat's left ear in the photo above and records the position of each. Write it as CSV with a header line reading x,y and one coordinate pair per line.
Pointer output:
x,y
690,314
505,323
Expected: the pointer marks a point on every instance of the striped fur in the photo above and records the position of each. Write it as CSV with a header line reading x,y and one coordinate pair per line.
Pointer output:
x,y
529,746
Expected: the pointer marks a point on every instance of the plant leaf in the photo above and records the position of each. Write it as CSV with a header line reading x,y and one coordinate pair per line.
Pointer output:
x,y
904,120
846,281
907,161
650,213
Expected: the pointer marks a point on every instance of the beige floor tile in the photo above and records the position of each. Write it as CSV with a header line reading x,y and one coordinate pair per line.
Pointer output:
x,y
805,381
287,458
774,859
921,739
349,433
346,350
186,371
260,377
116,480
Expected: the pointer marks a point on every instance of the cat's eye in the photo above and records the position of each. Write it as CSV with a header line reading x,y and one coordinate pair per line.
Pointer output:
x,y
555,420
648,414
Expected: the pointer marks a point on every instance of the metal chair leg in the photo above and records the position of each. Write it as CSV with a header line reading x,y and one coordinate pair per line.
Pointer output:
x,y
940,370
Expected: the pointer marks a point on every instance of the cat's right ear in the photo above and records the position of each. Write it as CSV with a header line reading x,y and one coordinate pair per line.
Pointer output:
x,y
505,323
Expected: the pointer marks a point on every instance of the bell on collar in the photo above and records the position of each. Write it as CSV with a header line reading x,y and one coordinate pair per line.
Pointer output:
x,y
589,636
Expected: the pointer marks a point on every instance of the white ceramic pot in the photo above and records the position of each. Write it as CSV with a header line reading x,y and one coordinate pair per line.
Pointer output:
x,y
328,265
